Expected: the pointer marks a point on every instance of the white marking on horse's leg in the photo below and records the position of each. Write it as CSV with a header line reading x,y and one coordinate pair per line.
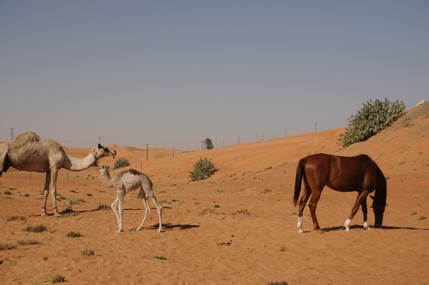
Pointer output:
x,y
347,224
366,226
299,225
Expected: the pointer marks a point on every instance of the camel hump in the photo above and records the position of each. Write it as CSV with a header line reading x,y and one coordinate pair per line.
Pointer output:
x,y
134,172
27,137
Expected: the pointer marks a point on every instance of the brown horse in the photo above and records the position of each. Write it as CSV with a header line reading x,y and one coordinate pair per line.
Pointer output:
x,y
359,173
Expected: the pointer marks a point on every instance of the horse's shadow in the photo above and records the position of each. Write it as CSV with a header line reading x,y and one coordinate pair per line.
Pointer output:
x,y
341,228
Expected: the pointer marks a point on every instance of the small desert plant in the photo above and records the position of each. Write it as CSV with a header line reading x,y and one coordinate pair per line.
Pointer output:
x,y
28,242
7,192
202,170
14,218
160,257
36,229
121,162
88,252
278,283
73,234
58,279
103,207
6,246
373,117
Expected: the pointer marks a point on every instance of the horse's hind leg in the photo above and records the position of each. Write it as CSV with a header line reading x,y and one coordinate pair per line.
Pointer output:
x,y
359,200
302,202
313,204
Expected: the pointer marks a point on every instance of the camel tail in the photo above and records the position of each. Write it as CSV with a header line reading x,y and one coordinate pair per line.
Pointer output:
x,y
298,180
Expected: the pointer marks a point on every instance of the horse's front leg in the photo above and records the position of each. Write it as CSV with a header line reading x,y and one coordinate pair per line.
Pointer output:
x,y
365,215
359,200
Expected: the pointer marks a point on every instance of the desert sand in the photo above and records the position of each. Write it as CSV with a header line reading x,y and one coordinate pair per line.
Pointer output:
x,y
237,227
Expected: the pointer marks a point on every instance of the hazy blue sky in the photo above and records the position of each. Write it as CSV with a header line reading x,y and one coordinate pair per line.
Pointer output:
x,y
171,73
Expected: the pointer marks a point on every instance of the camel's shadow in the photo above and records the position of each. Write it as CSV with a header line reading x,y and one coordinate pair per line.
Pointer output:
x,y
170,227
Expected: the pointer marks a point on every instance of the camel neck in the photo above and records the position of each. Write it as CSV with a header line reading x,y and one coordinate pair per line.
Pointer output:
x,y
107,181
77,164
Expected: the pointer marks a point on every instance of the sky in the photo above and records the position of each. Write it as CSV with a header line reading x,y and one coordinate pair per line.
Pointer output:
x,y
171,73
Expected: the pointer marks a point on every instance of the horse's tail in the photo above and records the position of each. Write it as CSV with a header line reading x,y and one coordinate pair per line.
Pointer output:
x,y
298,179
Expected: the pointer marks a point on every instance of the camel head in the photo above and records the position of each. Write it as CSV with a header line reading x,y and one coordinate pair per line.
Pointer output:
x,y
103,169
102,151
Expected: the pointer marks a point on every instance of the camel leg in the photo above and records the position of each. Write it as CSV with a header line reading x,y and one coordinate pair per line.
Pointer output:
x,y
120,209
302,202
54,175
159,209
114,205
146,213
46,192
365,215
359,200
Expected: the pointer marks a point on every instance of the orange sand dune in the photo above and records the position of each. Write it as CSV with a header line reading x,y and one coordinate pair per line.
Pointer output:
x,y
237,227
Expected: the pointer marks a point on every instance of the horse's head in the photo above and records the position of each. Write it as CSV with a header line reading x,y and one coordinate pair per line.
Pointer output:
x,y
378,205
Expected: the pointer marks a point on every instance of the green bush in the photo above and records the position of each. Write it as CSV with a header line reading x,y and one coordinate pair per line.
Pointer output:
x,y
373,117
203,169
121,162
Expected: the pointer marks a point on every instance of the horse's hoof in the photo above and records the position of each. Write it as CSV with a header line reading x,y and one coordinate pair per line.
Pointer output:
x,y
300,231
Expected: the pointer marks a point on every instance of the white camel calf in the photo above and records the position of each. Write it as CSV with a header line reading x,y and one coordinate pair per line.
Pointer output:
x,y
127,181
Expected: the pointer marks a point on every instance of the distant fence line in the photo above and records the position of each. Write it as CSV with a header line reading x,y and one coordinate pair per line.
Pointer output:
x,y
217,142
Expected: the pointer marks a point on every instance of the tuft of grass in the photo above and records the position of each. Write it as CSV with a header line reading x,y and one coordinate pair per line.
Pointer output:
x,y
36,229
266,191
6,246
121,162
278,283
14,218
89,194
7,192
76,202
28,242
413,213
160,257
283,248
103,207
88,252
73,235
58,279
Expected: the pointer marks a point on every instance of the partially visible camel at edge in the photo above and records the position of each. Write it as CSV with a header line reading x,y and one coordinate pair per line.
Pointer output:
x,y
125,182
30,152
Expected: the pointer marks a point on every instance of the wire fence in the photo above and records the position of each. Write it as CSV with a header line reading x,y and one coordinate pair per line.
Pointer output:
x,y
88,141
